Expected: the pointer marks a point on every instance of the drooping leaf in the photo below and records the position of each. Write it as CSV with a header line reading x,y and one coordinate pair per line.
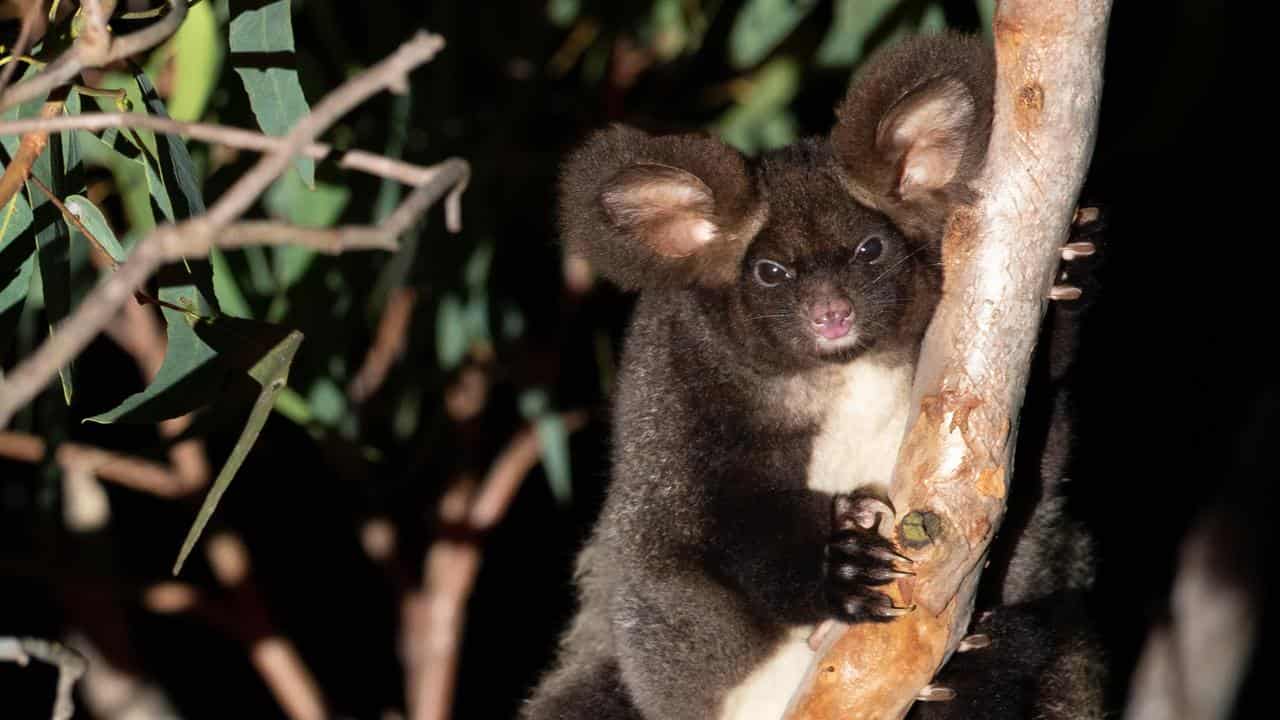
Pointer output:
x,y
762,119
17,262
271,353
562,13
845,42
289,199
230,297
553,448
986,16
189,378
196,52
933,20
553,440
93,220
262,53
327,402
761,25
59,169
667,29
452,338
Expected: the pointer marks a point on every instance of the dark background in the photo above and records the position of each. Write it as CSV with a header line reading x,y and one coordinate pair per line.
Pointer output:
x,y
1174,400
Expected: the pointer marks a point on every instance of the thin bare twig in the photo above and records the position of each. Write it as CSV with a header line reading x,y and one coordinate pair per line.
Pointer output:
x,y
32,18
389,74
361,160
29,149
94,50
436,614
129,471
195,236
69,663
388,344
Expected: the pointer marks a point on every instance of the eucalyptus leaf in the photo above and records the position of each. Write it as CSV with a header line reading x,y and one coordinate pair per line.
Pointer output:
x,y
93,220
762,120
59,169
271,372
189,378
196,52
17,263
846,40
451,332
318,206
262,53
761,25
553,449
553,440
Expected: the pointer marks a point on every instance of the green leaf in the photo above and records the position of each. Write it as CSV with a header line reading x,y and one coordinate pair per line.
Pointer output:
x,y
17,249
17,262
91,217
761,120
197,52
189,378
986,16
855,20
562,13
59,168
933,20
761,25
271,372
553,440
327,402
230,297
452,339
667,31
318,206
553,448
262,53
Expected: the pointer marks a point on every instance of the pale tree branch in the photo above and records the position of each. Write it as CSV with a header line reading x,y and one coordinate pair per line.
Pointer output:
x,y
94,49
195,236
33,23
999,258
70,666
435,615
1194,662
128,471
360,160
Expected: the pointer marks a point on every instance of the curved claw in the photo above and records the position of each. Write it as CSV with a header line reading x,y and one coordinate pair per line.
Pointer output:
x,y
895,611
1065,292
1075,250
935,693
977,641
887,574
1086,215
889,555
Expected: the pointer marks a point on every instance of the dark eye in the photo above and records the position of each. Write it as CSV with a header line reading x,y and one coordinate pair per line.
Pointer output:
x,y
770,273
870,249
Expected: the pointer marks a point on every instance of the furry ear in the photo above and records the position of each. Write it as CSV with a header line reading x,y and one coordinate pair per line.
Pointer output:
x,y
664,211
913,129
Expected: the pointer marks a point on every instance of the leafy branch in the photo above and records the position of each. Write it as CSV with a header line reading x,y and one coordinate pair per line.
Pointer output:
x,y
192,233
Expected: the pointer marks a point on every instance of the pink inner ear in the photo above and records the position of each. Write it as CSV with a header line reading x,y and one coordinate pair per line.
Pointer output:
x,y
927,130
671,210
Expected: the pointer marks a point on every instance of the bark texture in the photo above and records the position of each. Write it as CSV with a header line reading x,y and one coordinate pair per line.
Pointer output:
x,y
1000,255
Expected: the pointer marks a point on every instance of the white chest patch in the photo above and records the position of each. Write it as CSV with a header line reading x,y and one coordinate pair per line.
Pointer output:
x,y
764,694
862,427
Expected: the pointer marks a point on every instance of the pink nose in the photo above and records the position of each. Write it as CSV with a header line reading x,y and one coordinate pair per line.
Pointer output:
x,y
832,318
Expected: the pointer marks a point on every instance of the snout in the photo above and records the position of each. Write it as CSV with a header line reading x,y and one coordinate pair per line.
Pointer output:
x,y
832,318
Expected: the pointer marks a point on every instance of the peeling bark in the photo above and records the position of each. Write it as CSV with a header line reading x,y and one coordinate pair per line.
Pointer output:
x,y
1000,255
